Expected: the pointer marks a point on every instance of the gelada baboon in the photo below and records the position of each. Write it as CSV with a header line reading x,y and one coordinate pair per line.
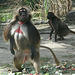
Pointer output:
x,y
60,28
25,39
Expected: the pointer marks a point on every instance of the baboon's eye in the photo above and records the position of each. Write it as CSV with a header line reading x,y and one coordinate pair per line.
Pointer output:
x,y
21,10
24,10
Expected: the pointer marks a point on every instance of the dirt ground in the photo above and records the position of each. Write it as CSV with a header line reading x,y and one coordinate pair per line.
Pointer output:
x,y
64,50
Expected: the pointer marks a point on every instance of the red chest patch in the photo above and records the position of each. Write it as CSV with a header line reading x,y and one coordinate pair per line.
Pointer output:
x,y
19,30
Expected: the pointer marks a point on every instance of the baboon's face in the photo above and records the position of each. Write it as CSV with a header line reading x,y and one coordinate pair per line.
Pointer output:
x,y
50,15
23,15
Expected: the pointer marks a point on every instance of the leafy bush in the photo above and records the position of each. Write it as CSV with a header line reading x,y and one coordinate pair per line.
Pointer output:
x,y
5,16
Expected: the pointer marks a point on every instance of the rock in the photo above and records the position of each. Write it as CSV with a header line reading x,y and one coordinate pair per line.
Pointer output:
x,y
70,16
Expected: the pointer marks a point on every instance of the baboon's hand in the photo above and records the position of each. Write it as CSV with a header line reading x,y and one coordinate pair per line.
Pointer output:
x,y
50,38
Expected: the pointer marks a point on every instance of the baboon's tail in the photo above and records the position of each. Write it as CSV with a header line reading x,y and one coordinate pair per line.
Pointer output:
x,y
72,32
55,58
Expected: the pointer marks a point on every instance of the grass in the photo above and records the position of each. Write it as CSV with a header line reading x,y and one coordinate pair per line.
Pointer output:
x,y
46,68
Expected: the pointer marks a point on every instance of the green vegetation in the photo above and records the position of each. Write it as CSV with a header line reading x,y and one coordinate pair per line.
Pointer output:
x,y
5,13
42,6
5,16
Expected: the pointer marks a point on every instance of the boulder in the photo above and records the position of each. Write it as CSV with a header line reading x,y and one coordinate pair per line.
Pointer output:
x,y
70,16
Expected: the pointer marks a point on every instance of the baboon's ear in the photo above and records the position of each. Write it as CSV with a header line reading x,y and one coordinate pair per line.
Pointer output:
x,y
30,16
16,17
51,14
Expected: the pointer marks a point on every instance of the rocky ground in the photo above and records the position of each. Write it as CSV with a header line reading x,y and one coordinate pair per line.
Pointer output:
x,y
64,50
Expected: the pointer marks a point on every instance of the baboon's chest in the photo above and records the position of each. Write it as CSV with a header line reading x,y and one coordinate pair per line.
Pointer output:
x,y
21,37
19,31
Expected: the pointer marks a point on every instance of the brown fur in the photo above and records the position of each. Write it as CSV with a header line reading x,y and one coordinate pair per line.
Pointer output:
x,y
26,43
6,33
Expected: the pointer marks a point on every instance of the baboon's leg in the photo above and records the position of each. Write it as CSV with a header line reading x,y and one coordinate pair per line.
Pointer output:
x,y
50,37
62,38
18,60
36,62
36,65
55,36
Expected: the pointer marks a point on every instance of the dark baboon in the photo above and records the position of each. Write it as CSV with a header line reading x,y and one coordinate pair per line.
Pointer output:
x,y
60,28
